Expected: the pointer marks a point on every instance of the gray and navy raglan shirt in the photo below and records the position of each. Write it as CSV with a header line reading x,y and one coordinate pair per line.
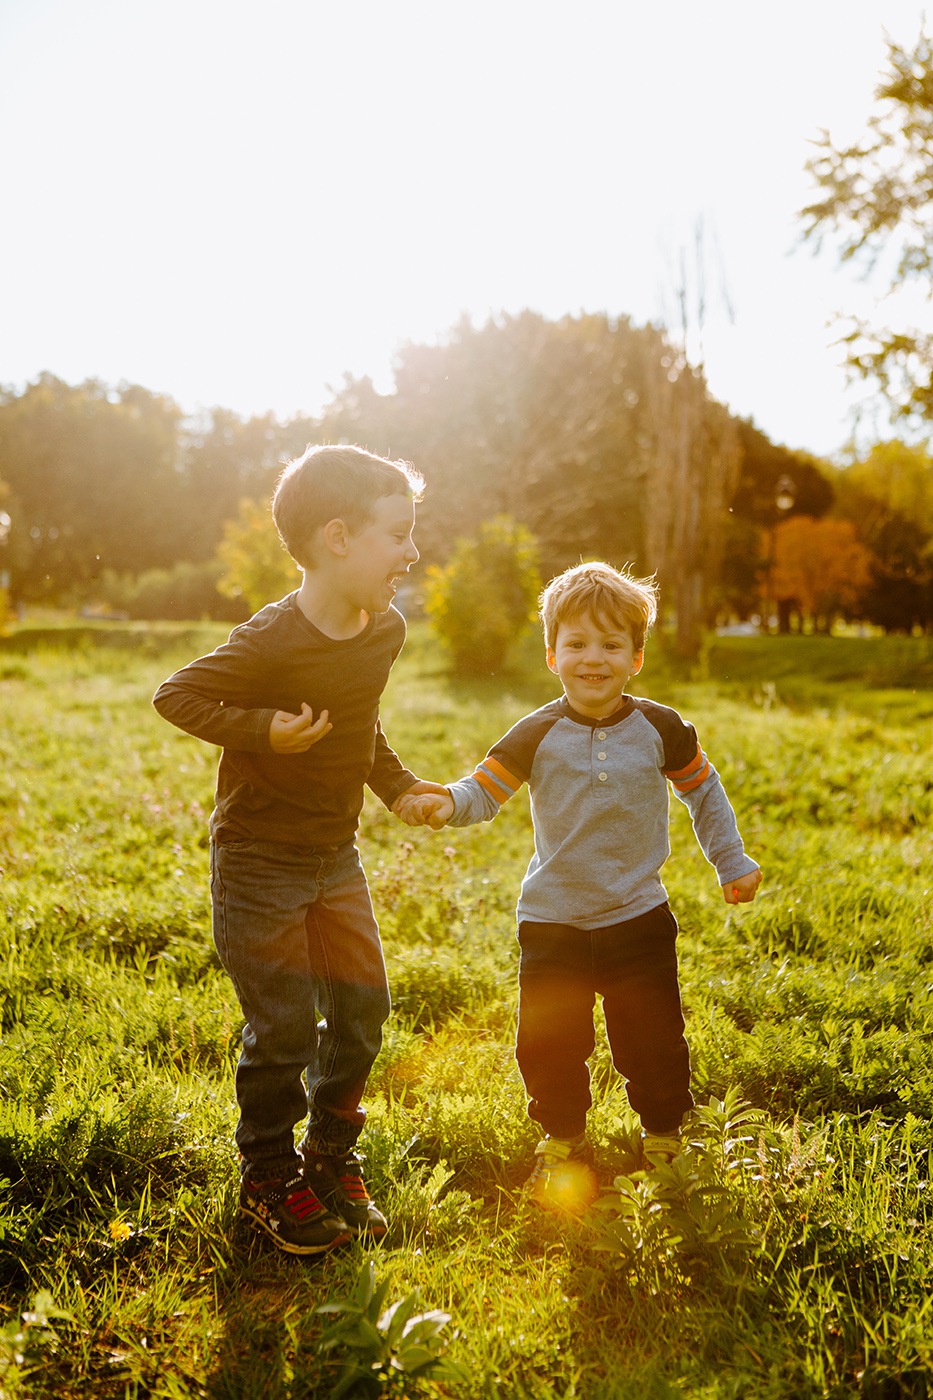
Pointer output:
x,y
600,808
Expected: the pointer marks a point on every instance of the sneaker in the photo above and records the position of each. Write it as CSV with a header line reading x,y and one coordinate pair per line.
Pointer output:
x,y
292,1215
338,1180
660,1149
563,1177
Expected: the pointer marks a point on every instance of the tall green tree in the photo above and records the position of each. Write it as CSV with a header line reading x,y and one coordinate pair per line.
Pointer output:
x,y
223,460
875,198
592,432
92,479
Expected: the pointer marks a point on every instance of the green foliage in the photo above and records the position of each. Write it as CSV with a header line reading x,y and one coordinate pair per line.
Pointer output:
x,y
256,565
875,196
595,433
104,479
483,599
182,592
384,1348
24,1341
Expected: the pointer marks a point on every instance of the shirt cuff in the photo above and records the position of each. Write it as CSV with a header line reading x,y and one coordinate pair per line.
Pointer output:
x,y
733,867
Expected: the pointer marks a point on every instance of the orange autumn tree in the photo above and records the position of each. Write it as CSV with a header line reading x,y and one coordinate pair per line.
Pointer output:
x,y
821,566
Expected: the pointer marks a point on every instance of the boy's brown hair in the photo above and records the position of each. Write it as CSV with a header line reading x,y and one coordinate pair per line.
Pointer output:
x,y
335,483
602,592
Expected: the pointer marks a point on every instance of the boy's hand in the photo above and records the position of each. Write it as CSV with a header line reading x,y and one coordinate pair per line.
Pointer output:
x,y
296,733
431,810
419,789
742,890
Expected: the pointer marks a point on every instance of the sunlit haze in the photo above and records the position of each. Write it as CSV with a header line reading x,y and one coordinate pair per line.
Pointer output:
x,y
236,203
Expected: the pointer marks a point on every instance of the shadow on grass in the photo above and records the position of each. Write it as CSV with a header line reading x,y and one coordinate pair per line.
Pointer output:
x,y
266,1343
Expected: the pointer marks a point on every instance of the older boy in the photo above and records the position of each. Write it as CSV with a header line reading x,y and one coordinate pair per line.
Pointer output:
x,y
293,699
593,916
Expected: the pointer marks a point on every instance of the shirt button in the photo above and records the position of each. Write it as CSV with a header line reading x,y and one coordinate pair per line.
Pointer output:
x,y
603,777
601,734
601,756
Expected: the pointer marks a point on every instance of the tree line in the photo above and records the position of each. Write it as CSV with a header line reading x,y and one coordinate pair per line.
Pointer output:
x,y
594,433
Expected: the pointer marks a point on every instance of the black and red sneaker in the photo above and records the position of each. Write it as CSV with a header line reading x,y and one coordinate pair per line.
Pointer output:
x,y
339,1183
292,1215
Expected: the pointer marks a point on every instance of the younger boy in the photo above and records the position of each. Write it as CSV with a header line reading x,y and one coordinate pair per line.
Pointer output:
x,y
593,916
293,699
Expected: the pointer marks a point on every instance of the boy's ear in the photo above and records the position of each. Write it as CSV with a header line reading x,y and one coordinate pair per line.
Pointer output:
x,y
336,536
551,659
638,660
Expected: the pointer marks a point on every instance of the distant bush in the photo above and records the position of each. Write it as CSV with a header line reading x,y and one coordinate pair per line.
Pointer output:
x,y
483,599
187,592
254,564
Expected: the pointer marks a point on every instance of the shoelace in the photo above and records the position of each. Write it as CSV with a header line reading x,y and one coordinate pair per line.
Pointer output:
x,y
352,1182
302,1202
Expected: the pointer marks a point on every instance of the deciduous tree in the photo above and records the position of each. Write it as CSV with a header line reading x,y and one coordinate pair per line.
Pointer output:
x,y
820,565
876,198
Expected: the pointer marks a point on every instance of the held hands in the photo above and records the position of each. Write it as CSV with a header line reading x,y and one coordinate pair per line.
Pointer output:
x,y
296,733
425,804
742,890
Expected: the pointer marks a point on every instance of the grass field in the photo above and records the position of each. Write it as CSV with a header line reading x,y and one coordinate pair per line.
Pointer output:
x,y
789,1254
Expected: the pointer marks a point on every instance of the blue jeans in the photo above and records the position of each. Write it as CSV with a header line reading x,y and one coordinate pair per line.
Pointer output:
x,y
294,928
633,966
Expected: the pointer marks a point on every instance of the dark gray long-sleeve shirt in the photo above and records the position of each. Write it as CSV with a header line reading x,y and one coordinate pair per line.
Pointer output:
x,y
599,802
276,661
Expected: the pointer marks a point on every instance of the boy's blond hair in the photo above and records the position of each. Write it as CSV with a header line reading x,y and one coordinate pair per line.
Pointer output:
x,y
602,592
335,483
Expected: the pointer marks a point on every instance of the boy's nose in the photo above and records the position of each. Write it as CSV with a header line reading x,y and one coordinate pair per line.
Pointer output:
x,y
411,552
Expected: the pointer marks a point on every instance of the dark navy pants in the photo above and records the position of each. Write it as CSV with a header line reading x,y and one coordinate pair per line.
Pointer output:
x,y
633,967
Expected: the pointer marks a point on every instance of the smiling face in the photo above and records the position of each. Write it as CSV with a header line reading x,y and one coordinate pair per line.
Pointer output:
x,y
594,658
379,554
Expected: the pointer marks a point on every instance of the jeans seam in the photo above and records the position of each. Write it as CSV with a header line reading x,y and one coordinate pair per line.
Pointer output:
x,y
325,1070
220,905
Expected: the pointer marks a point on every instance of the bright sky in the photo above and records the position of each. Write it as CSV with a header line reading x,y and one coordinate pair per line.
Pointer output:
x,y
234,203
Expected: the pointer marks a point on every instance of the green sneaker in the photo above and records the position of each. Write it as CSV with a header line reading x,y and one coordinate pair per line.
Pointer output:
x,y
339,1183
292,1216
563,1178
660,1149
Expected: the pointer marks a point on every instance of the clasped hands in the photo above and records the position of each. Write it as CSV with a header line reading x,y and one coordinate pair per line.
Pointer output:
x,y
425,804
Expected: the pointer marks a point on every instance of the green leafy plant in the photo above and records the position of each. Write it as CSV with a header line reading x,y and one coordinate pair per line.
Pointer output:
x,y
25,1339
483,599
384,1347
688,1208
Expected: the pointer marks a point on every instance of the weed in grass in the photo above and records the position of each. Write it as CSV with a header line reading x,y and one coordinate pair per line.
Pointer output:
x,y
380,1349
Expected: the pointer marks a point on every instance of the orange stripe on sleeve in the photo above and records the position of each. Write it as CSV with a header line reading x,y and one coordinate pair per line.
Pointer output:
x,y
497,780
498,770
696,762
693,782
